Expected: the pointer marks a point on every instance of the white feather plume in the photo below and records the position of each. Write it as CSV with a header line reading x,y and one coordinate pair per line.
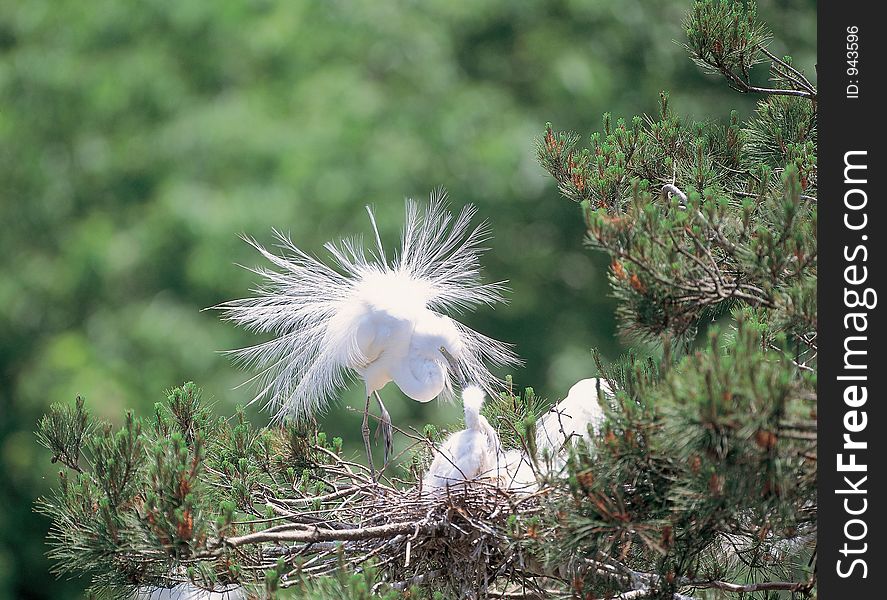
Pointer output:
x,y
318,312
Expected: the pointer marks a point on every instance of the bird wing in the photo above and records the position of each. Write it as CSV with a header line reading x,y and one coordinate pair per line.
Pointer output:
x,y
304,304
376,342
378,332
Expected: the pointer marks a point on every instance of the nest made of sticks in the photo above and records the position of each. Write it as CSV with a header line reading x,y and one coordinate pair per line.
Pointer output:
x,y
467,539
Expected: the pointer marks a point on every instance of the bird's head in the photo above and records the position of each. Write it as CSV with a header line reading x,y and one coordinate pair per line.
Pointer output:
x,y
436,336
435,349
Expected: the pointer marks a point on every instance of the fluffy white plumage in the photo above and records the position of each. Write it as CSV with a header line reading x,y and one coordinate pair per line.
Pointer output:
x,y
469,454
475,452
576,416
571,417
367,317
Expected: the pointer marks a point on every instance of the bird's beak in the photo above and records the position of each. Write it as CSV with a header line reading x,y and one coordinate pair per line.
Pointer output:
x,y
454,367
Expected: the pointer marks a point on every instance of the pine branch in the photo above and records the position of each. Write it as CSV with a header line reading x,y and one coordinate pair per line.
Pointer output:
x,y
702,476
304,534
63,431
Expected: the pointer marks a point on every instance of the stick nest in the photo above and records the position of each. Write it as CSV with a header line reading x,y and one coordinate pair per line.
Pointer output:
x,y
465,539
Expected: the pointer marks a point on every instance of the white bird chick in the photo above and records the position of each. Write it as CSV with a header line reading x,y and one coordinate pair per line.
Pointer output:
x,y
369,318
516,473
469,454
571,418
567,421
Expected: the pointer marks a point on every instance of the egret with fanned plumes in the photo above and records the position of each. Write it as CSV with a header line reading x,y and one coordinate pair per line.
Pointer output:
x,y
367,317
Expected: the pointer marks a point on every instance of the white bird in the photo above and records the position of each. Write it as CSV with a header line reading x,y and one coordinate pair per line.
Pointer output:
x,y
469,454
476,452
572,417
369,318
579,415
516,472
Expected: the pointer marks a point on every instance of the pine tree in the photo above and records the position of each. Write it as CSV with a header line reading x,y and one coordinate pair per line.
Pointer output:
x,y
701,485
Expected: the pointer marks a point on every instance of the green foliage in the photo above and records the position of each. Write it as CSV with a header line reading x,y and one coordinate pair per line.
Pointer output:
x,y
120,496
184,412
170,502
726,35
515,415
152,505
698,466
740,228
62,431
783,131
349,586
145,139
117,459
706,470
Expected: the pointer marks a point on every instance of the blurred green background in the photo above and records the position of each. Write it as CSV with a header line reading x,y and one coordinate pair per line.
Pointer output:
x,y
137,140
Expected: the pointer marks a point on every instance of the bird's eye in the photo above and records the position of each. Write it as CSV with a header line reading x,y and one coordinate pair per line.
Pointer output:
x,y
452,363
448,357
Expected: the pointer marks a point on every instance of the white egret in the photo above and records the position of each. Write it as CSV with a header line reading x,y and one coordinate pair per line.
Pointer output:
x,y
579,415
369,318
572,417
468,454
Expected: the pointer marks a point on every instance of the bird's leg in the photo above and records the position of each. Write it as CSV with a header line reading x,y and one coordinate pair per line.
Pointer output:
x,y
365,430
385,427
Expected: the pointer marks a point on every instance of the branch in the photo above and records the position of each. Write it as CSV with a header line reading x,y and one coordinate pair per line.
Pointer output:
x,y
804,82
739,588
318,534
741,85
